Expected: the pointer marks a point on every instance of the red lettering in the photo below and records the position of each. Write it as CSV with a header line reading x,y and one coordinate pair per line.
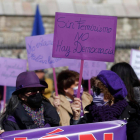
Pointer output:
x,y
86,137
20,139
56,131
54,137
108,136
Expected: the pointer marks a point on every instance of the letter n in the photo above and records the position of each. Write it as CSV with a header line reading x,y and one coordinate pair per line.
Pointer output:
x,y
86,137
20,138
108,136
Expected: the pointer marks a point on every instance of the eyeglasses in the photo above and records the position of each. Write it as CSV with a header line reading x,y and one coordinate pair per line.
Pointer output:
x,y
96,90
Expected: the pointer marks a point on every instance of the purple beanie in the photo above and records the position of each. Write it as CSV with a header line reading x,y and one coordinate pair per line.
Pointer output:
x,y
114,83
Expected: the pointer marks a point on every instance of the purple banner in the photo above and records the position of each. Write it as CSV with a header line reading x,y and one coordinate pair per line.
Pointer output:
x,y
85,37
109,130
91,68
39,52
10,69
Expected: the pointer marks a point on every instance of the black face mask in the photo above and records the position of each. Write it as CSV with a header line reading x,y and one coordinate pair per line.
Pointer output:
x,y
35,100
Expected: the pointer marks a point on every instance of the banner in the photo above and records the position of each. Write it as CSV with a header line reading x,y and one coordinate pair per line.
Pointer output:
x,y
39,52
135,61
109,130
85,37
90,69
10,69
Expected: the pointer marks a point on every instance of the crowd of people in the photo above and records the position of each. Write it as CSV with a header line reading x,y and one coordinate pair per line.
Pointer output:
x,y
115,95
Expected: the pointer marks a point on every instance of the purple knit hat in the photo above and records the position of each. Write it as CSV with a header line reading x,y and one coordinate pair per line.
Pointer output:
x,y
114,83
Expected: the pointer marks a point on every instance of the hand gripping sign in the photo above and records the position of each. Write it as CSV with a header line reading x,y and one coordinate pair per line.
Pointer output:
x,y
109,130
84,37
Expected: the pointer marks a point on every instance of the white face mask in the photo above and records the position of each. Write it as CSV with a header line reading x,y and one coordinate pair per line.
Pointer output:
x,y
75,89
99,99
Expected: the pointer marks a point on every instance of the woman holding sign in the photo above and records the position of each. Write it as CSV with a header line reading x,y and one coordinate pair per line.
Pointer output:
x,y
26,108
109,86
67,83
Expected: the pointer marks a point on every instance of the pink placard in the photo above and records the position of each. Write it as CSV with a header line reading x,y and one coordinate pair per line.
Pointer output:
x,y
39,52
10,69
85,37
90,69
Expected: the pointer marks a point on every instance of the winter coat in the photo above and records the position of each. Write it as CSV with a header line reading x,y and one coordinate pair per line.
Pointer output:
x,y
65,111
20,120
131,114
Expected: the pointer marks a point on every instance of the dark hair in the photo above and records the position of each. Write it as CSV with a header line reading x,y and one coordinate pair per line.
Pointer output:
x,y
85,85
129,77
65,79
11,106
39,71
42,82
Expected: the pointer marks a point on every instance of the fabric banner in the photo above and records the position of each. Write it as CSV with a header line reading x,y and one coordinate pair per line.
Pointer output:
x,y
109,130
39,52
85,37
91,68
9,70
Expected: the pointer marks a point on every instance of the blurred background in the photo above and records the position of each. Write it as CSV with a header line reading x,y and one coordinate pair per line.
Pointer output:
x,y
17,18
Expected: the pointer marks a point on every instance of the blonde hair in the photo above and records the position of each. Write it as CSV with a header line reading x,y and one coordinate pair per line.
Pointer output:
x,y
103,89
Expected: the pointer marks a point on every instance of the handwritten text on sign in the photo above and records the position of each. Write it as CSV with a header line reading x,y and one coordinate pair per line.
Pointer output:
x,y
84,37
10,69
135,61
39,52
91,68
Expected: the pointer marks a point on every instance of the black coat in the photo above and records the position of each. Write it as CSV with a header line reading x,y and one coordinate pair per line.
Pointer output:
x,y
20,120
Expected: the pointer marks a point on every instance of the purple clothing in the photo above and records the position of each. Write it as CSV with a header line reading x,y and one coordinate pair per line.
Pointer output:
x,y
114,83
107,113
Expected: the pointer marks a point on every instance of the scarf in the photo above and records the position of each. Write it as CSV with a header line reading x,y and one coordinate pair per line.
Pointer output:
x,y
36,115
107,113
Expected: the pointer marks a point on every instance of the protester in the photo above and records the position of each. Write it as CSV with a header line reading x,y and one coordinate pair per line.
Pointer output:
x,y
67,83
130,79
109,86
26,108
48,91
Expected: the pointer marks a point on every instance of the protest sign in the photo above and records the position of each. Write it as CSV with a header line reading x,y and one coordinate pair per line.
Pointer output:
x,y
39,52
109,130
90,69
135,61
85,37
10,69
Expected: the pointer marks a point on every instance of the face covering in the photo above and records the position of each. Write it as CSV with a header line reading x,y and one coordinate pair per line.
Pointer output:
x,y
98,99
76,91
35,100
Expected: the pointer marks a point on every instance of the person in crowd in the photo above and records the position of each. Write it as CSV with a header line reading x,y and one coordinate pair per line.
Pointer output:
x,y
48,91
67,83
26,108
130,79
111,89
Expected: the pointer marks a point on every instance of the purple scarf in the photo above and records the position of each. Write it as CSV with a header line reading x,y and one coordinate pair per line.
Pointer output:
x,y
107,113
